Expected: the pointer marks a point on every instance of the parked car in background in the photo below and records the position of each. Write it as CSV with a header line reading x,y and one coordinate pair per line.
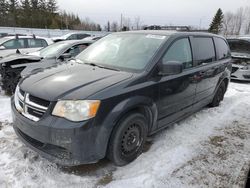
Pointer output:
x,y
15,66
95,38
72,36
3,35
118,91
25,44
240,48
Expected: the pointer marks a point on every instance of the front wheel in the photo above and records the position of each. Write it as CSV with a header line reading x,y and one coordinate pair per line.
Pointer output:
x,y
127,139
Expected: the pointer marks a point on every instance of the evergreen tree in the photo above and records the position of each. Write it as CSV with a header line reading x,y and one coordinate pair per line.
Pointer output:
x,y
4,12
52,6
25,13
42,6
40,14
216,25
13,10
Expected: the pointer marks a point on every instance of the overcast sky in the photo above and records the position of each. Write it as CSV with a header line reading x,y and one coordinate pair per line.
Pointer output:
x,y
162,12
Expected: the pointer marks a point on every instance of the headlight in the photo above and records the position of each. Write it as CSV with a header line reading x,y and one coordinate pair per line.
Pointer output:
x,y
245,68
77,110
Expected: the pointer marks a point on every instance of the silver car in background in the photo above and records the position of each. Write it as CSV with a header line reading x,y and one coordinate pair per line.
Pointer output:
x,y
25,44
240,49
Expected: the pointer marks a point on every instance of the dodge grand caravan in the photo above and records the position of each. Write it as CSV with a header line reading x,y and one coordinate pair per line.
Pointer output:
x,y
122,89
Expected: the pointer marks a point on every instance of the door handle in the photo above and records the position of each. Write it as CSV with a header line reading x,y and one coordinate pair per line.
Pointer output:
x,y
202,73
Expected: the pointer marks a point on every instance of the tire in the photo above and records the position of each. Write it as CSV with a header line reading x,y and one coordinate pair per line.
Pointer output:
x,y
219,95
127,139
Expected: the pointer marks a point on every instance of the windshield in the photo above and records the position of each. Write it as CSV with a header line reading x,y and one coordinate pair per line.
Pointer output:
x,y
53,50
128,52
239,46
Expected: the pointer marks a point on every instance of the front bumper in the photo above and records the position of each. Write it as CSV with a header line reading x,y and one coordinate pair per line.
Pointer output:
x,y
59,140
240,74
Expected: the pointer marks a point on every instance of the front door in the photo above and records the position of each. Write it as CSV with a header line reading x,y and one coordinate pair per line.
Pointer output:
x,y
177,92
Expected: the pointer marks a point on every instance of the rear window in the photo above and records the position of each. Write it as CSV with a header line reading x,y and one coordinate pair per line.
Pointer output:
x,y
223,50
204,50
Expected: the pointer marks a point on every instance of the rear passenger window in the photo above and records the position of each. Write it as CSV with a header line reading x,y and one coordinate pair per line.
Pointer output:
x,y
37,43
223,51
72,37
180,51
82,36
204,50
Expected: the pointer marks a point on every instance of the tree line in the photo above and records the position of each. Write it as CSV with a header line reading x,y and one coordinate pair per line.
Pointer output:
x,y
41,14
238,22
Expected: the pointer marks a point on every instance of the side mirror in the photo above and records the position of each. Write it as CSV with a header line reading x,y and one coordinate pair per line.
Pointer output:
x,y
170,68
2,48
65,56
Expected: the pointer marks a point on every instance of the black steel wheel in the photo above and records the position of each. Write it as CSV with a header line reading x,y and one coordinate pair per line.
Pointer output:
x,y
127,139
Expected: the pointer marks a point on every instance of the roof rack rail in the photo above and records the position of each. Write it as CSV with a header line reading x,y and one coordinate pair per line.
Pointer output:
x,y
170,28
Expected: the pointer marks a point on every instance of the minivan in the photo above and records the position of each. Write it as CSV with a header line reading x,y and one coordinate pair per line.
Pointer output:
x,y
122,89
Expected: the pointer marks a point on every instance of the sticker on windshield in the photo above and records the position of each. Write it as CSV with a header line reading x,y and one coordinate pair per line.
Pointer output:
x,y
156,37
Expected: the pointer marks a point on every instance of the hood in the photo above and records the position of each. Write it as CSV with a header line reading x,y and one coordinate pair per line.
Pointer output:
x,y
14,57
37,53
240,55
65,81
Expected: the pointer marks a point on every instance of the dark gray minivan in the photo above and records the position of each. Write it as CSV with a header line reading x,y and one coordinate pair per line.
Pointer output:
x,y
120,90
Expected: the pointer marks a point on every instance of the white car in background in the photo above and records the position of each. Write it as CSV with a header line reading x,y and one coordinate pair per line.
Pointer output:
x,y
25,44
72,36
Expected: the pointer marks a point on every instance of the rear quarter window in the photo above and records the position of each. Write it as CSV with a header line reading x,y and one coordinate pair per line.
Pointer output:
x,y
37,43
204,50
223,51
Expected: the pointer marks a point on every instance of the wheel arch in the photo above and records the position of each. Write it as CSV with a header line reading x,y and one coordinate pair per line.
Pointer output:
x,y
139,104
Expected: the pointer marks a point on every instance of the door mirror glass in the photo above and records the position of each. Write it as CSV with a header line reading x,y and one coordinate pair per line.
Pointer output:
x,y
171,68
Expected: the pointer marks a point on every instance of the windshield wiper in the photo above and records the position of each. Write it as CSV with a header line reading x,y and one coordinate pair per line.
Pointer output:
x,y
100,66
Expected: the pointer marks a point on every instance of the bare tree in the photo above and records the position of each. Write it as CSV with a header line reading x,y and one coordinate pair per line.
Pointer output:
x,y
228,27
239,18
247,20
137,22
126,23
114,26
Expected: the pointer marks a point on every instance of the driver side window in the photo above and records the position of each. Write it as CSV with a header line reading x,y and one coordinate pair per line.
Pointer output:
x,y
180,51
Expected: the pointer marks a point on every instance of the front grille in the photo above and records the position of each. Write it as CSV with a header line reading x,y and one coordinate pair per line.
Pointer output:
x,y
56,151
39,101
247,76
30,106
234,69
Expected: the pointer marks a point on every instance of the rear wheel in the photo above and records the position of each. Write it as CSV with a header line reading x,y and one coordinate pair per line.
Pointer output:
x,y
127,139
219,95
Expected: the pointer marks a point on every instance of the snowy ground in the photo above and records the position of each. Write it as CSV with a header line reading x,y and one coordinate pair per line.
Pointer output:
x,y
209,149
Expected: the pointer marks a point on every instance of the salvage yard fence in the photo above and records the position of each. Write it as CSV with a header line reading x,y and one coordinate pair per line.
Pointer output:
x,y
44,32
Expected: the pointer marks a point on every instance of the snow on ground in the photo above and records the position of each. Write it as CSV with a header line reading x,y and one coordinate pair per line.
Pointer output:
x,y
209,149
